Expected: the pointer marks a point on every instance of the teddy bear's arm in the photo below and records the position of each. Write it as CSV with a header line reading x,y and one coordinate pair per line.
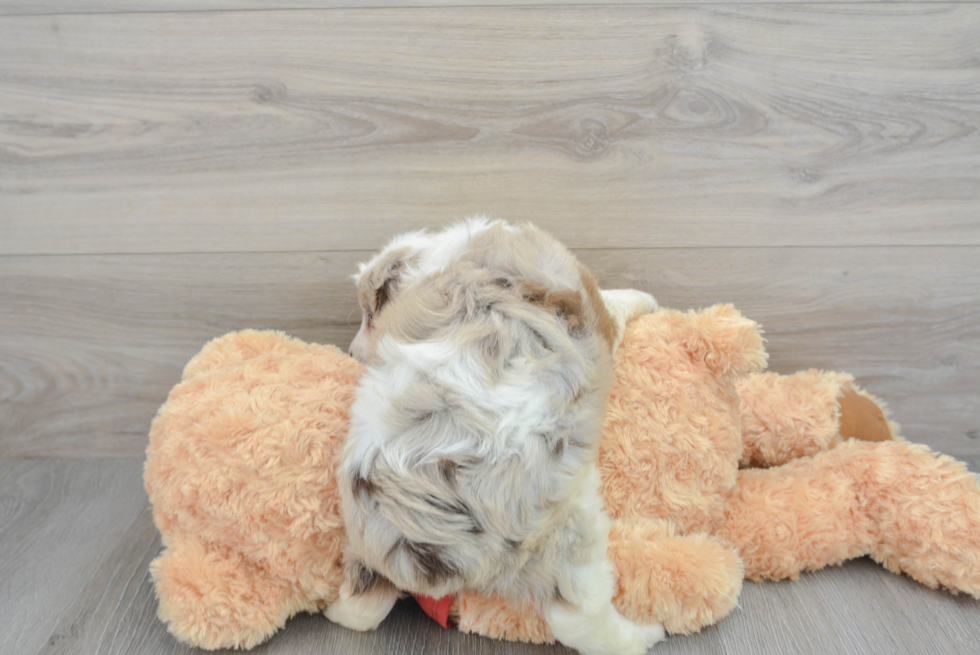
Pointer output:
x,y
685,582
215,598
785,417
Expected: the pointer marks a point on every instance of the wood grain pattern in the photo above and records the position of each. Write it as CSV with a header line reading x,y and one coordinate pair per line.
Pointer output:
x,y
58,521
90,345
186,168
6,465
45,7
612,126
856,608
104,607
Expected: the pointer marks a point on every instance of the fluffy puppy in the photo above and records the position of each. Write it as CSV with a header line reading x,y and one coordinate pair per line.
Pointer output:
x,y
470,462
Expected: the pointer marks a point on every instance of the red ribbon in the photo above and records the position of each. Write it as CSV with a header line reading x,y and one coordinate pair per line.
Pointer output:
x,y
437,609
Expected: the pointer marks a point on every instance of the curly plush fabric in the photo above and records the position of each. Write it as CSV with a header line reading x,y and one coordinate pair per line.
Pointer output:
x,y
690,404
240,470
241,461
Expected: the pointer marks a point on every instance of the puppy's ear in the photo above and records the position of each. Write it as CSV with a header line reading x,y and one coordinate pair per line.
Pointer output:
x,y
380,279
389,284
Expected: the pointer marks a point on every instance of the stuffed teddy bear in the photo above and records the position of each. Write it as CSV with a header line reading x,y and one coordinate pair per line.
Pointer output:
x,y
713,471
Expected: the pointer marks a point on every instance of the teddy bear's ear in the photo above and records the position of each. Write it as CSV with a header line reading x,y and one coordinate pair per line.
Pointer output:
x,y
727,342
235,347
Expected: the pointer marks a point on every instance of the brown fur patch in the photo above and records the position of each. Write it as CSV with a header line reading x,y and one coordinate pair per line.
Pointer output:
x,y
448,506
565,303
379,283
533,293
555,445
360,485
568,305
456,507
383,293
362,579
448,469
604,322
418,314
429,559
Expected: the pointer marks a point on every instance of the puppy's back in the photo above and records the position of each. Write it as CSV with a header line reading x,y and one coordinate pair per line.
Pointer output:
x,y
478,420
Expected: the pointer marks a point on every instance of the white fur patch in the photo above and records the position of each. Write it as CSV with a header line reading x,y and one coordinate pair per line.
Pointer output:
x,y
362,613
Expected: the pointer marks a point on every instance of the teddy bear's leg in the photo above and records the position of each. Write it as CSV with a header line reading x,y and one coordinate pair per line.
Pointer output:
x,y
801,516
681,582
926,511
624,305
215,600
366,598
911,509
789,416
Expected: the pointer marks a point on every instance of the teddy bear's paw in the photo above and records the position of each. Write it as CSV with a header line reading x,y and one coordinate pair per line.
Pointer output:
x,y
861,417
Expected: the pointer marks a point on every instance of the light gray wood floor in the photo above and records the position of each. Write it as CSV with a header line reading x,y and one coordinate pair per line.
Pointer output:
x,y
172,170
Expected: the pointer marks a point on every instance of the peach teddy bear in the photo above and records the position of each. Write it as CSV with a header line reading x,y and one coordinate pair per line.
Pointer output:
x,y
689,407
241,459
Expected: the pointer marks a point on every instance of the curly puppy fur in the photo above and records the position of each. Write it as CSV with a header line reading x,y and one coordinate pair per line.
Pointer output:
x,y
470,462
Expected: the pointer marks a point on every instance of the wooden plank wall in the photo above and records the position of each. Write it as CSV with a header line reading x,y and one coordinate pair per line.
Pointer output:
x,y
168,176
47,7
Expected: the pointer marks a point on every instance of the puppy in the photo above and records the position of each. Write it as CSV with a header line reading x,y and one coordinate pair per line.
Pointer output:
x,y
470,462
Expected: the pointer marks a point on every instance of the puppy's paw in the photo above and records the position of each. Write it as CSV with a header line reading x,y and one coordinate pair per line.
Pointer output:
x,y
604,633
644,303
641,639
652,634
626,304
361,613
